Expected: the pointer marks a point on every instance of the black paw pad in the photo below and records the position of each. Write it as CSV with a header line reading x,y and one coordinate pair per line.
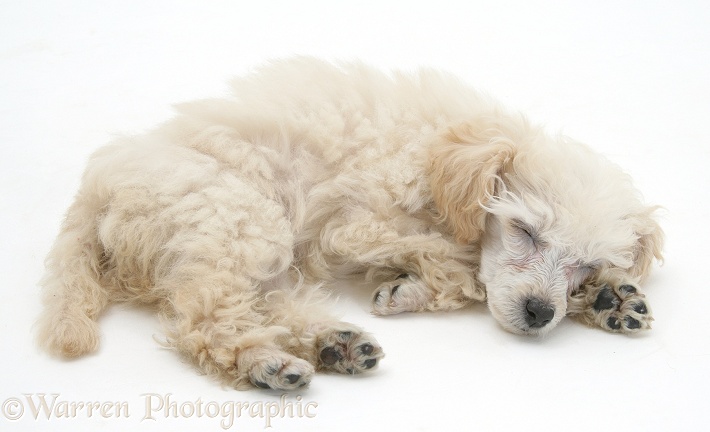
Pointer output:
x,y
329,356
366,348
293,378
640,308
262,385
632,323
613,323
627,289
605,300
378,296
370,363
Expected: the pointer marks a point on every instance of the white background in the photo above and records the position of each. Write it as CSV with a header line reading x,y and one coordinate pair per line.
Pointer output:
x,y
631,78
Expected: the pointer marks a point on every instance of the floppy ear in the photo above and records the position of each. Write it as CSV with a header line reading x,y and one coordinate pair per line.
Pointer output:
x,y
465,164
649,244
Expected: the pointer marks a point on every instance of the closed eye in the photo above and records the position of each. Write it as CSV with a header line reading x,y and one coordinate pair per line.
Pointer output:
x,y
525,232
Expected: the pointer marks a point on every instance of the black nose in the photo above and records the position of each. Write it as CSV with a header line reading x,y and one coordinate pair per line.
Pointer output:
x,y
539,313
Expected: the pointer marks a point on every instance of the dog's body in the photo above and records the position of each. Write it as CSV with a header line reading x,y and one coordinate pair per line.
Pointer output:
x,y
228,217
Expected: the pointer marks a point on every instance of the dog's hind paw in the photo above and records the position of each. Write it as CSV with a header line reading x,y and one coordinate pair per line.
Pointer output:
x,y
407,293
616,308
274,369
347,349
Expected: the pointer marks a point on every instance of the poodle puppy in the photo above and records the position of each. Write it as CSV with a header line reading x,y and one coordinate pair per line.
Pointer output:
x,y
230,218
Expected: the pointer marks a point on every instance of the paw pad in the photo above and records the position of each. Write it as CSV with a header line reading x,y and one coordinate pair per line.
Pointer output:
x,y
605,300
632,323
620,309
613,323
274,369
349,352
628,289
329,356
640,308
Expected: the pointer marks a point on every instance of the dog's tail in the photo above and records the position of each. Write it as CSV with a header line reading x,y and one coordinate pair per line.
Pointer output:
x,y
72,294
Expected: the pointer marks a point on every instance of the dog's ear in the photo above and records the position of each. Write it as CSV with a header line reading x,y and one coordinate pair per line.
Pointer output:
x,y
465,164
649,244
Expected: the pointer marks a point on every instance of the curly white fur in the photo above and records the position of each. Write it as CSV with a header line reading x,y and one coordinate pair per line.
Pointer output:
x,y
415,180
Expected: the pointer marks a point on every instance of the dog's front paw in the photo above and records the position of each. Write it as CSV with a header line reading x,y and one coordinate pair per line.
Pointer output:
x,y
622,309
347,349
407,293
275,369
617,308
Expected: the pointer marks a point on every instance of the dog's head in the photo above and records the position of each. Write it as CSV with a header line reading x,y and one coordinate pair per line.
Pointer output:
x,y
548,213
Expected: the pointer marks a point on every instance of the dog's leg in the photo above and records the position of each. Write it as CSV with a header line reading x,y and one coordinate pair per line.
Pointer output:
x,y
612,303
221,322
216,310
422,271
423,277
420,276
276,341
73,297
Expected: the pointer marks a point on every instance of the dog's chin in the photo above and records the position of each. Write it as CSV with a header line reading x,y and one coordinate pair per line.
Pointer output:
x,y
526,330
